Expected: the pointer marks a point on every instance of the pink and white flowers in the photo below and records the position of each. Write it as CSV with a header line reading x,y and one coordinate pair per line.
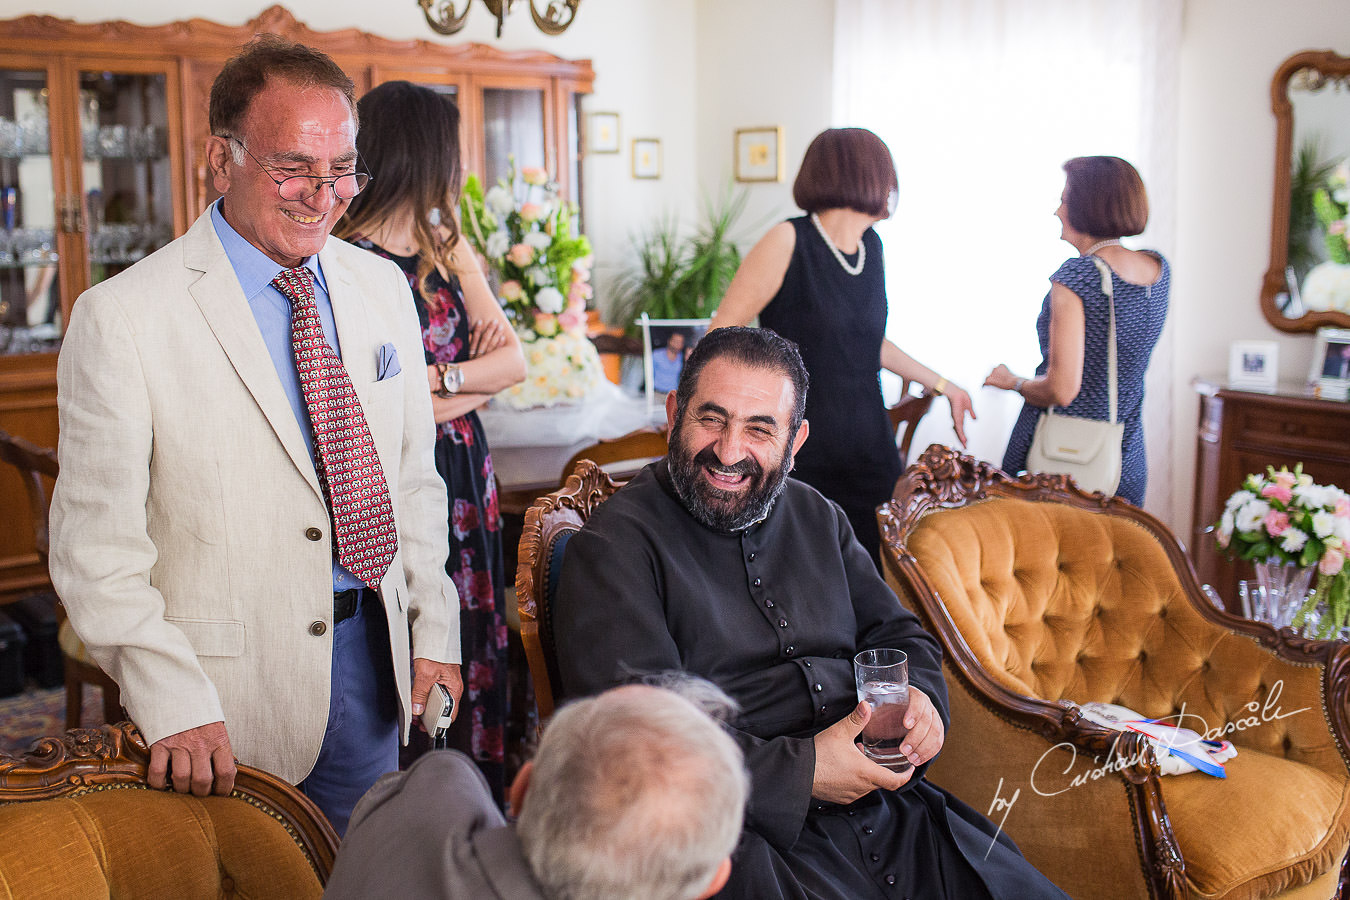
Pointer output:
x,y
526,232
1284,517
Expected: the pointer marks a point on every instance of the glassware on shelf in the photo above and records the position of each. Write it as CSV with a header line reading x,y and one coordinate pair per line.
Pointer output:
x,y
11,138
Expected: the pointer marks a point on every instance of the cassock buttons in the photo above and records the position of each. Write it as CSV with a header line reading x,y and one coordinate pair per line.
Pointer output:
x,y
818,688
867,829
317,628
313,534
791,649
807,663
875,857
782,623
768,604
752,556
890,879
757,582
822,710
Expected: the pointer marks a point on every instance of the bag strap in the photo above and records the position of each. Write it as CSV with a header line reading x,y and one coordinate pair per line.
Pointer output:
x,y
1109,291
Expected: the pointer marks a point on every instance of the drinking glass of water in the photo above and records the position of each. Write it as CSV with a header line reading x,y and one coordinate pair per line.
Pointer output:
x,y
882,677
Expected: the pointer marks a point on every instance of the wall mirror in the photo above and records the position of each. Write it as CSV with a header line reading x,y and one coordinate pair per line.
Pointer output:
x,y
1308,283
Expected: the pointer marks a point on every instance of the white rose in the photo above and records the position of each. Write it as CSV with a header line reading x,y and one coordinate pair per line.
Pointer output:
x,y
1238,499
1293,540
549,300
1226,523
1249,518
499,200
1342,529
538,276
538,240
1324,524
497,244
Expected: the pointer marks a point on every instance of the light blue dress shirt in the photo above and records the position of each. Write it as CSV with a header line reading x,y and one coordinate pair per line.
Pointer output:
x,y
272,311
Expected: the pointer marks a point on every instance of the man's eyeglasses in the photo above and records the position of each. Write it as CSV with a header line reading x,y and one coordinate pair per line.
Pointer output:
x,y
302,187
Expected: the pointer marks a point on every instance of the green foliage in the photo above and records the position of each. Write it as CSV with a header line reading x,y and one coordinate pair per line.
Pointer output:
x,y
1306,179
676,277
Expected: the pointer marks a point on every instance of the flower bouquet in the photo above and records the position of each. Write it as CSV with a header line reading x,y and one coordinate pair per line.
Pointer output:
x,y
541,270
1282,519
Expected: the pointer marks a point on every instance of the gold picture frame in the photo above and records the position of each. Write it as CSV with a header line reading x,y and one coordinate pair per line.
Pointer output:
x,y
646,157
759,153
602,132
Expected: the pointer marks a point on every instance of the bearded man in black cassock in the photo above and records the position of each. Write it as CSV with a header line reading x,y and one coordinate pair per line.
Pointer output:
x,y
713,562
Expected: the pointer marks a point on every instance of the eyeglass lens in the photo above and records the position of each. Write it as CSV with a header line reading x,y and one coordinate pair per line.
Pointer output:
x,y
302,187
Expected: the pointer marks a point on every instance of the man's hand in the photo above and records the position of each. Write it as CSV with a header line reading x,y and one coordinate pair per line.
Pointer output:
x,y
427,672
926,734
843,774
197,760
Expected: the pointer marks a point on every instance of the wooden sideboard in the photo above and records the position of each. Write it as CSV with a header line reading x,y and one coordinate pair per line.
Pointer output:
x,y
1241,432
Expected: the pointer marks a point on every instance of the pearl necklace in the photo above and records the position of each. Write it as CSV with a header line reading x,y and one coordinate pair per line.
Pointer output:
x,y
1113,242
862,249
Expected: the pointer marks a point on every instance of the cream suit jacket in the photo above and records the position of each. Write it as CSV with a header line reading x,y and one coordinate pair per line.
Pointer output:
x,y
190,542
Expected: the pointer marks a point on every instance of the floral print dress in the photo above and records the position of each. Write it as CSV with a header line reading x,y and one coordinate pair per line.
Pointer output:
x,y
475,558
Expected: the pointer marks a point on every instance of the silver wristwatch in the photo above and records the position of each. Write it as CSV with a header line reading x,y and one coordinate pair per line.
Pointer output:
x,y
452,379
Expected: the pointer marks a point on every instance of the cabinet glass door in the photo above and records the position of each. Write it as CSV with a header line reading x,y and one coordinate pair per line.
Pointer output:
x,y
30,298
513,125
126,173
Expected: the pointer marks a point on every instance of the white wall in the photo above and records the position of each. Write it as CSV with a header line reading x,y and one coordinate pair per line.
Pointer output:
x,y
643,53
1226,170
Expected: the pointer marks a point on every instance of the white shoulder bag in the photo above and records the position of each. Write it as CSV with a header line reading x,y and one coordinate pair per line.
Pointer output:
x,y
1087,450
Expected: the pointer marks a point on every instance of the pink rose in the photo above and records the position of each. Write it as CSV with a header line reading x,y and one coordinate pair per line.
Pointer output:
x,y
531,212
1277,523
573,321
545,324
1343,507
1286,479
1333,560
511,290
1277,492
521,255
576,293
534,175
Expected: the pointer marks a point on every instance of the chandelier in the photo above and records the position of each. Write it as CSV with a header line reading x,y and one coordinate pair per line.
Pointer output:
x,y
445,16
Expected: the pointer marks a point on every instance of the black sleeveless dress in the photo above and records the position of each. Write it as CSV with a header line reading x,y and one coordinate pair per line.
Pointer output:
x,y
838,321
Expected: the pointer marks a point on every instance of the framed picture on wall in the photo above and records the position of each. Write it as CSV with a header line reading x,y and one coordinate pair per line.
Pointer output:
x,y
666,344
602,132
646,158
1331,364
1253,365
759,154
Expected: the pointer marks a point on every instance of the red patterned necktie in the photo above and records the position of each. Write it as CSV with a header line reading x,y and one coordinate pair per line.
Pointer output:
x,y
349,468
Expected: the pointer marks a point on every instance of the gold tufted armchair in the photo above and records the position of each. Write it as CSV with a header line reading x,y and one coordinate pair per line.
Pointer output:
x,y
1044,598
77,819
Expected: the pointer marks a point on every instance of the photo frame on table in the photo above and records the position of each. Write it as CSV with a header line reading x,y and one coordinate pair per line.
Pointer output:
x,y
759,153
646,158
602,132
661,372
1331,364
1253,366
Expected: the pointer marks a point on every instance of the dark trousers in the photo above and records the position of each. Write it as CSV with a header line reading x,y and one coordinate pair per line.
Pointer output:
x,y
361,742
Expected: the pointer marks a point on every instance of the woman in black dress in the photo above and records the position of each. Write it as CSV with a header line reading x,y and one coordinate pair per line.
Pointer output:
x,y
819,280
409,140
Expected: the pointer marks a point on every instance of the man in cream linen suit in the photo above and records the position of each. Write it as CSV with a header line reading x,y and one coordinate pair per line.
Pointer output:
x,y
192,541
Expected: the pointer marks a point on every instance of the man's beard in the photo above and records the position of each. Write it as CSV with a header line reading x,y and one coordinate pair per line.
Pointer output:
x,y
715,508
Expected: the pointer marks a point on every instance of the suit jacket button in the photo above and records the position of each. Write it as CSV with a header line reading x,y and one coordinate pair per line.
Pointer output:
x,y
314,534
317,628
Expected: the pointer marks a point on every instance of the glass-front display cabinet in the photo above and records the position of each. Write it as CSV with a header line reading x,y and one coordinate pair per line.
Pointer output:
x,y
103,127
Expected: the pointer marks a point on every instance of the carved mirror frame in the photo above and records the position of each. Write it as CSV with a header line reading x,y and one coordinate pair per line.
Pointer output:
x,y
1327,64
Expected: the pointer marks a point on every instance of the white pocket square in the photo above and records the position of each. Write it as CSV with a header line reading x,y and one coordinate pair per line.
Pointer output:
x,y
386,362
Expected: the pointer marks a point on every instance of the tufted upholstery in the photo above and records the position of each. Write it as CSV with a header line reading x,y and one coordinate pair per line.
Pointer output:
x,y
1045,598
78,821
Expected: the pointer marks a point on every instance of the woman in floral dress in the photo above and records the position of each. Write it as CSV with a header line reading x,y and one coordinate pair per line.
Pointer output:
x,y
409,143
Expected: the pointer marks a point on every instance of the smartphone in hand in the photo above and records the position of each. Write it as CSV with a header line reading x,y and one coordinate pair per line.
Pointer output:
x,y
437,715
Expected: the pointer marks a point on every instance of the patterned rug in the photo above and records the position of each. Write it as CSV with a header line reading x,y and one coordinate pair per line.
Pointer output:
x,y
41,712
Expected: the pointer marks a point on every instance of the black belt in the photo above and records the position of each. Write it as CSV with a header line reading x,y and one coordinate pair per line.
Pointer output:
x,y
345,603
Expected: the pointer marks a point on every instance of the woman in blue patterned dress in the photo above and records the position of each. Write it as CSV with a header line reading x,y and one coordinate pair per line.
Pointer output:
x,y
409,140
1103,200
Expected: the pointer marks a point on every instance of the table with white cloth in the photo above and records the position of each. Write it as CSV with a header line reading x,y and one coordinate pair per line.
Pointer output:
x,y
530,447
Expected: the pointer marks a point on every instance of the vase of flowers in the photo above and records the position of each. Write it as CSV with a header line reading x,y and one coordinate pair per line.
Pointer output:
x,y
1293,529
540,268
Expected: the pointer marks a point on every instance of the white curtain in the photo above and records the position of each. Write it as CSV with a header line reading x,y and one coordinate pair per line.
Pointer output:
x,y
981,101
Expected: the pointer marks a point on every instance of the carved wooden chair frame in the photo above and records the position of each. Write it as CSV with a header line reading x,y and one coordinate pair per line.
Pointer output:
x,y
563,511
115,756
942,478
